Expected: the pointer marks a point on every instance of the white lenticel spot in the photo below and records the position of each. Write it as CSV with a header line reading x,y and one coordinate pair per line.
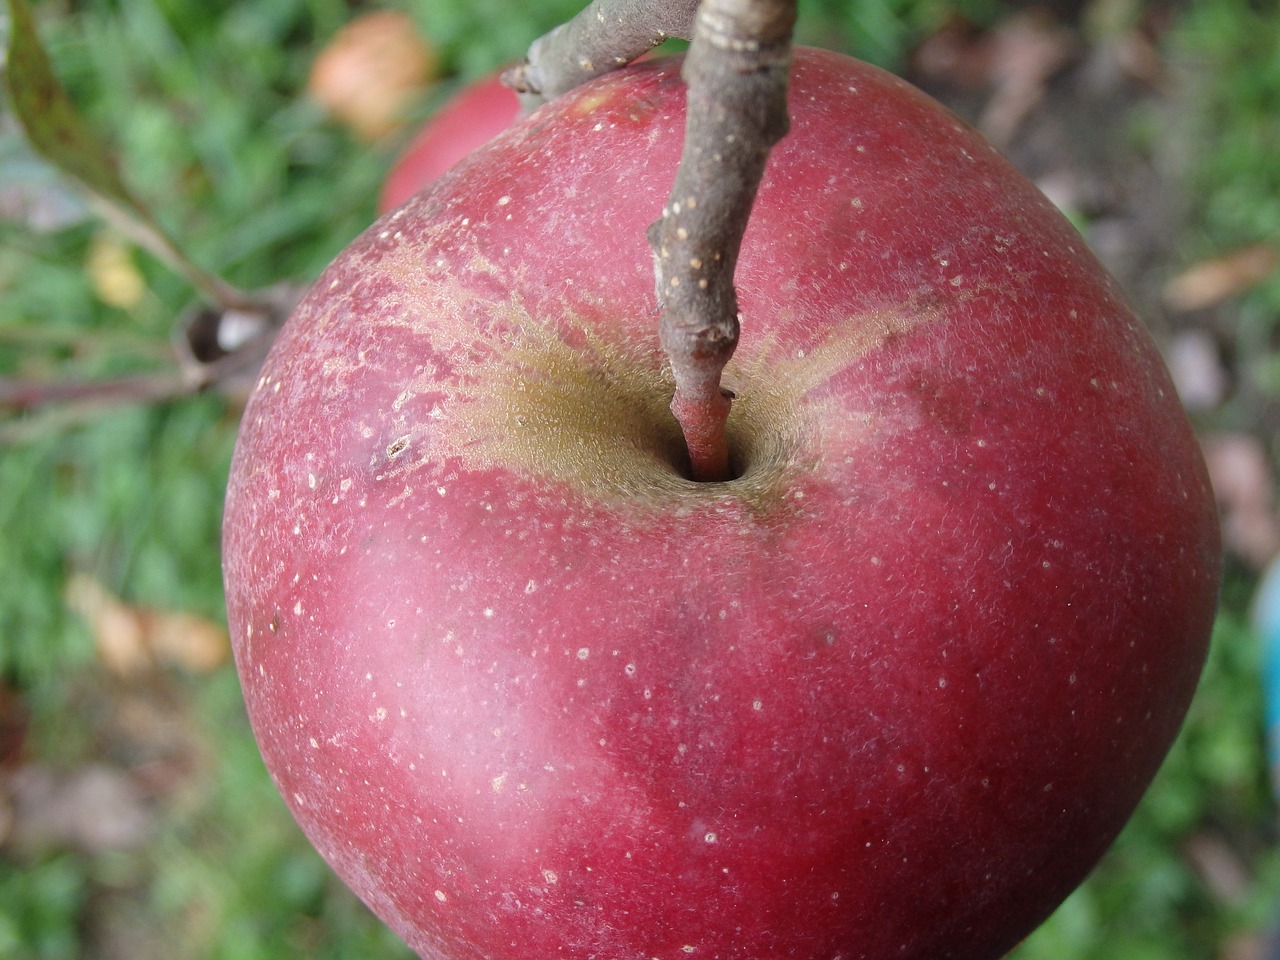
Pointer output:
x,y
441,896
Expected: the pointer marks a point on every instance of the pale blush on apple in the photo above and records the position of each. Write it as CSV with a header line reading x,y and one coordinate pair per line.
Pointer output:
x,y
891,692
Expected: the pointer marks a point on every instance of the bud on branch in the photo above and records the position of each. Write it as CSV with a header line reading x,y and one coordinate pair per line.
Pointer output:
x,y
606,35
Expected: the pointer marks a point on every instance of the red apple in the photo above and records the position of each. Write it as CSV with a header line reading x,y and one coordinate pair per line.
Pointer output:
x,y
472,118
890,692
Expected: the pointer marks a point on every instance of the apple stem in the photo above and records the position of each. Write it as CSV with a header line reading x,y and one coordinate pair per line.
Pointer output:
x,y
736,73
606,35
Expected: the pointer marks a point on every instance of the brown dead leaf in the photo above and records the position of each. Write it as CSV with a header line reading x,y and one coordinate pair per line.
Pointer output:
x,y
1245,487
1013,62
1211,282
1199,373
184,640
956,53
92,808
136,640
371,70
1027,51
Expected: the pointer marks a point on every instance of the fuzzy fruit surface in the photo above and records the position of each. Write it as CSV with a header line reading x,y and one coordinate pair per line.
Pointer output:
x,y
890,692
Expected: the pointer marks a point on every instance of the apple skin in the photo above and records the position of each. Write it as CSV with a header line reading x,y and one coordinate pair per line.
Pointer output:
x,y
475,116
891,692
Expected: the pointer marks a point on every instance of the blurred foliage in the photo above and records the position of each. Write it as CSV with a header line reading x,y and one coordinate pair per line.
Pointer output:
x,y
203,102
883,31
1232,50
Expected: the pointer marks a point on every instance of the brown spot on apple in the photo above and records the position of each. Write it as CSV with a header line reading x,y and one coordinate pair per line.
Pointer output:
x,y
397,447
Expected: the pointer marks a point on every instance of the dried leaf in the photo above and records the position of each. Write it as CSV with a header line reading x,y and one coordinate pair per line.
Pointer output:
x,y
132,641
91,808
1195,363
371,70
61,135
184,640
52,123
1026,52
1210,282
117,634
1245,487
1014,61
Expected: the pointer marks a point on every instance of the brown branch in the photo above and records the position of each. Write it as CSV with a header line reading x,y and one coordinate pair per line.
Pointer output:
x,y
138,225
736,71
22,394
606,35
221,348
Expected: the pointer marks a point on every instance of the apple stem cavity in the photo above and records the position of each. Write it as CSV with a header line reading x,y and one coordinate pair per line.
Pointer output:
x,y
736,76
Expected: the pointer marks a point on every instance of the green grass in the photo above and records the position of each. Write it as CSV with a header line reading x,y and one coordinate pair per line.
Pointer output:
x,y
202,101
